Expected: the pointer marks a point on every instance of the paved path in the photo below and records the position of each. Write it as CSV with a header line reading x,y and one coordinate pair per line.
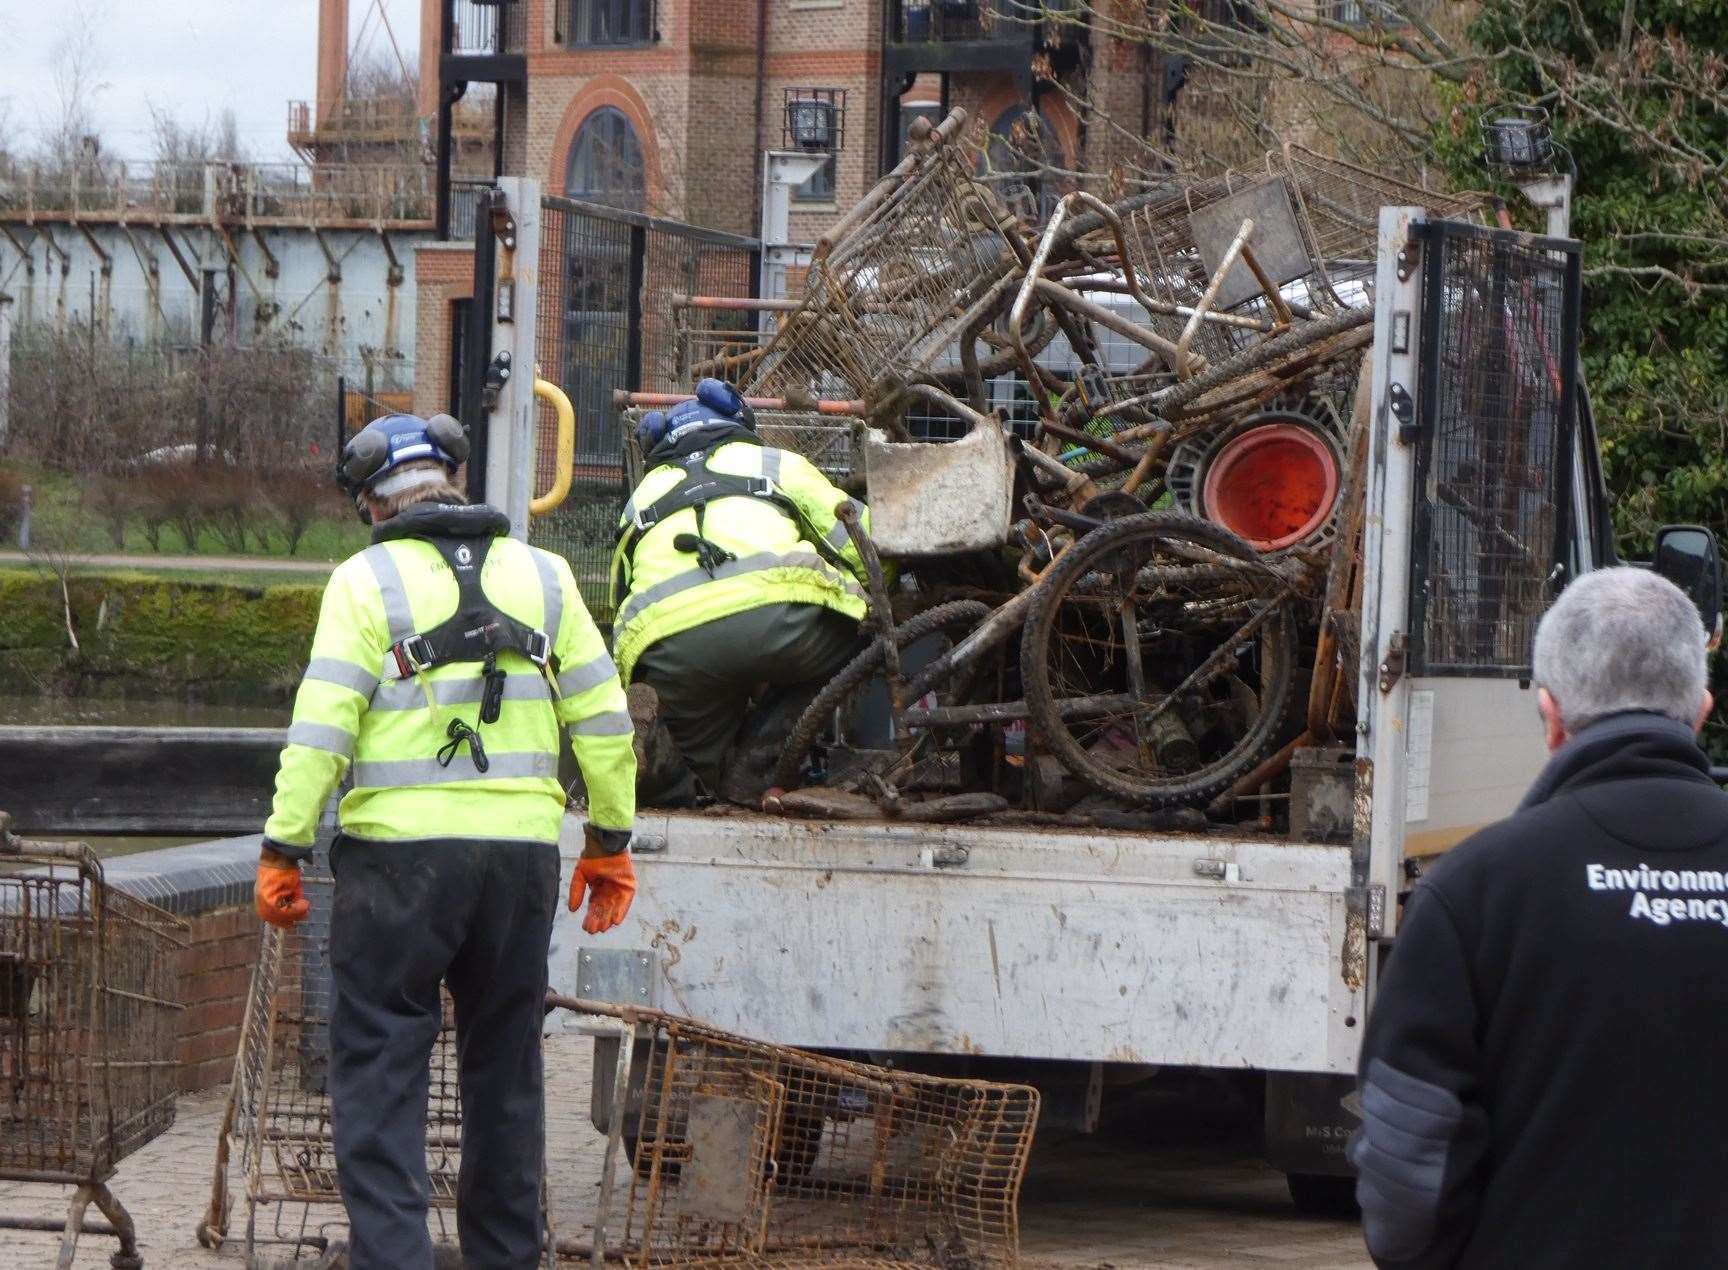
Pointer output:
x,y
1091,1203
201,564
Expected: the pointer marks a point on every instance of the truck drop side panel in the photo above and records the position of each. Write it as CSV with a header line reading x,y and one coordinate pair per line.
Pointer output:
x,y
1068,945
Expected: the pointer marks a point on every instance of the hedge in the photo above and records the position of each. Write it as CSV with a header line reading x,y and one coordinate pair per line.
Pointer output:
x,y
144,633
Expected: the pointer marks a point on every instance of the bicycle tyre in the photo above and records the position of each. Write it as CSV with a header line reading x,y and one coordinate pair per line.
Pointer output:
x,y
1189,788
856,674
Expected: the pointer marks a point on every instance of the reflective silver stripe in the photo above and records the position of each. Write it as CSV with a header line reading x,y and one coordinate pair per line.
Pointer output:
x,y
771,465
399,694
578,679
405,694
396,611
612,723
628,515
344,674
397,772
731,569
321,736
553,593
837,537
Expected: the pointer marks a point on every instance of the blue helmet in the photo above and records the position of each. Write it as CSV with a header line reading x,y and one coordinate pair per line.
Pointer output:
x,y
385,444
716,401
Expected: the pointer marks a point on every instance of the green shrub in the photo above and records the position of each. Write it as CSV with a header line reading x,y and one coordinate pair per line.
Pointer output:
x,y
176,636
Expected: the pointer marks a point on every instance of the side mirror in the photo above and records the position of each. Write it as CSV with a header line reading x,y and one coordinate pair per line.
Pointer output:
x,y
1687,555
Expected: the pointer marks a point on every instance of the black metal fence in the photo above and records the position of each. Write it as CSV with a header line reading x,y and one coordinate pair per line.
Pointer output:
x,y
607,278
1496,413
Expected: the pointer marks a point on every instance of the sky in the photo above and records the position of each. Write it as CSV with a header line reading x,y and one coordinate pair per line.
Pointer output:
x,y
194,58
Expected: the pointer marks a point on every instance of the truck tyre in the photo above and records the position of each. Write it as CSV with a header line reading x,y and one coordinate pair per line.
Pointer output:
x,y
1324,1195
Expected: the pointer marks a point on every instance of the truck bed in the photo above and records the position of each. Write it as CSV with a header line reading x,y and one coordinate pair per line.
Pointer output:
x,y
1187,949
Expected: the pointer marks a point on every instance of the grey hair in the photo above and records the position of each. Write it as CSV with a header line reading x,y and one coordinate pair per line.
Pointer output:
x,y
1622,639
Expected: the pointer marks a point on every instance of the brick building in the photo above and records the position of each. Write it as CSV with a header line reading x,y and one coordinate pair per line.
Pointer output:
x,y
666,106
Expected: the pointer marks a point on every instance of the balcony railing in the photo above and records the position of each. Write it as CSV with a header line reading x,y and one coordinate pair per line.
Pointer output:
x,y
483,30
242,193
376,119
945,21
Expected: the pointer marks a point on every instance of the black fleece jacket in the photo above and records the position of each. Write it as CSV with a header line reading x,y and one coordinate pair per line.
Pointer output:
x,y
1544,1077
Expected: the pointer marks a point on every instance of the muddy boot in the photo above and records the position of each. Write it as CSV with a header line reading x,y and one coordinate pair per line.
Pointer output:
x,y
663,779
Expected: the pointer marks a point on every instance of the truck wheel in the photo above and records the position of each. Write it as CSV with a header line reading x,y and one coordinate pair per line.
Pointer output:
x,y
1324,1195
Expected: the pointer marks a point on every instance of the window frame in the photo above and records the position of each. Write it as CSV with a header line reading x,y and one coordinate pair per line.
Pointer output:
x,y
578,20
603,193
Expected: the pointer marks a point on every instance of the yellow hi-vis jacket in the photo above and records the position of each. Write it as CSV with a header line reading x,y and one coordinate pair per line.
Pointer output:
x,y
669,592
353,707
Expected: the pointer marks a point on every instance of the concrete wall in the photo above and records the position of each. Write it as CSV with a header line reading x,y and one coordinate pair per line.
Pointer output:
x,y
349,305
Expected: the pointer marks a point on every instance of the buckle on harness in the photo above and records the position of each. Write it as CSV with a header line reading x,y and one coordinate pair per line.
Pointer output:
x,y
413,655
539,650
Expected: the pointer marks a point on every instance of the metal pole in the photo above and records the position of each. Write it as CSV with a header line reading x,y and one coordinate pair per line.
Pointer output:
x,y
206,330
341,415
5,367
477,345
446,104
511,307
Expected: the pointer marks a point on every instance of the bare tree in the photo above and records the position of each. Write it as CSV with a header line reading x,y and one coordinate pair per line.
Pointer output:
x,y
76,66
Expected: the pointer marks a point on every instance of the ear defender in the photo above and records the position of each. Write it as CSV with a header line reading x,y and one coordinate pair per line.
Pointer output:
x,y
448,435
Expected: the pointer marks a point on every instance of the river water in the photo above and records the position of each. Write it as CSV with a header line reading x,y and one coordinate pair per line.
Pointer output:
x,y
96,712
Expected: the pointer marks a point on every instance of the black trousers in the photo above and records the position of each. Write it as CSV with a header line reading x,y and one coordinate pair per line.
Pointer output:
x,y
705,676
407,916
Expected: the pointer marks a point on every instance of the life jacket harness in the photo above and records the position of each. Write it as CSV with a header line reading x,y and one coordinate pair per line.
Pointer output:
x,y
476,632
700,486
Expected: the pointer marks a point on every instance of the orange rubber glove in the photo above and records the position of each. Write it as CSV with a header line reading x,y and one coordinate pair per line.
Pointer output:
x,y
277,894
611,877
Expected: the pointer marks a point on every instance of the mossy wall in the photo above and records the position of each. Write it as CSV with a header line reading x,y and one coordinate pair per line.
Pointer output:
x,y
147,635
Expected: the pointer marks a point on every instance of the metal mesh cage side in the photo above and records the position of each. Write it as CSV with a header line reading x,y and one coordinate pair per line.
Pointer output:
x,y
284,1118
763,1151
1496,412
89,1019
895,289
141,948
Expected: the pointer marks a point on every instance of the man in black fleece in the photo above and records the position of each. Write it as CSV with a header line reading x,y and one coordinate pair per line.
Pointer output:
x,y
1544,1078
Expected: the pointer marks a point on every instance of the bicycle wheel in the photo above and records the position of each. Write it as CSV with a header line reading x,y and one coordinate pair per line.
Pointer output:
x,y
1158,660
857,673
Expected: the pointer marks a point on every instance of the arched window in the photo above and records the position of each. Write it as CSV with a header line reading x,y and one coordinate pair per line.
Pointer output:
x,y
605,164
1023,144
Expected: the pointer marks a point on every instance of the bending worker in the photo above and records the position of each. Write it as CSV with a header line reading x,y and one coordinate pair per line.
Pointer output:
x,y
446,659
731,574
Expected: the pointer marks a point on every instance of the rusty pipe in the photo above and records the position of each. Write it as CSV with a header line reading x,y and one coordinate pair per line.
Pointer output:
x,y
734,304
1213,286
622,398
1029,286
940,135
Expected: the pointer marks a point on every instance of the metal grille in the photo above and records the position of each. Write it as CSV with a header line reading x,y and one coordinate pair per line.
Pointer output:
x,y
605,323
89,1015
751,1152
280,1103
1499,354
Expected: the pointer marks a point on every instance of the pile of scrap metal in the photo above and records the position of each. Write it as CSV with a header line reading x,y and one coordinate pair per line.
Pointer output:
x,y
1132,604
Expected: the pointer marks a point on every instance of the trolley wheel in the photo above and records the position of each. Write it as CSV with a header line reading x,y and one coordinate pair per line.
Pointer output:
x,y
1158,660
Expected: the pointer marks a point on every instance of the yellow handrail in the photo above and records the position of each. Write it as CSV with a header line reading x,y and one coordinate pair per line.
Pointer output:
x,y
548,391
